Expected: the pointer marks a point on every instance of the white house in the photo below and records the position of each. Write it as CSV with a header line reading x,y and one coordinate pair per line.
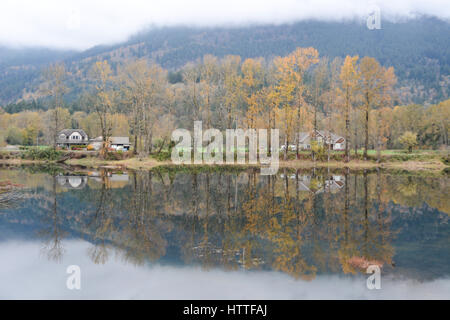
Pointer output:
x,y
116,143
335,141
70,137
120,143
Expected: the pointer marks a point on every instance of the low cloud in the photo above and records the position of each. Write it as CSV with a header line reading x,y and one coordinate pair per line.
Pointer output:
x,y
85,23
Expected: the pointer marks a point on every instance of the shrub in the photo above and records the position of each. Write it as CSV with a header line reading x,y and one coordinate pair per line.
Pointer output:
x,y
41,154
319,150
163,155
15,136
119,155
77,147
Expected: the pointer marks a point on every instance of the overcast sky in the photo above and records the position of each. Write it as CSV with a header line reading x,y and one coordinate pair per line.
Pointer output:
x,y
84,23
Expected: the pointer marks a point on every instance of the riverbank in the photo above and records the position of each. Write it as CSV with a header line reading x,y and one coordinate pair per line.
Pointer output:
x,y
408,162
137,164
149,163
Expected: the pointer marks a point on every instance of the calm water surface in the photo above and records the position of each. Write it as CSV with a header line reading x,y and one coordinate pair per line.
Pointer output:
x,y
171,234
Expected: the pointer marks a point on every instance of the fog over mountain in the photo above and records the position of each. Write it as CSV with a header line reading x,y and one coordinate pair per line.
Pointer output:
x,y
413,37
83,24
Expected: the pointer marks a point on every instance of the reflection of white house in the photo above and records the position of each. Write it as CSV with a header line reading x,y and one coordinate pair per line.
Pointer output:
x,y
215,253
111,177
304,184
118,177
72,182
69,137
334,183
317,185
323,137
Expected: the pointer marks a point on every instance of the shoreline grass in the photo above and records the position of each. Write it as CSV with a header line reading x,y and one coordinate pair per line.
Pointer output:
x,y
390,159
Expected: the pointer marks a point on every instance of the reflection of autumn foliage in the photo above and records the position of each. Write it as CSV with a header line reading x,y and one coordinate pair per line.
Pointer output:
x,y
371,241
54,232
9,194
244,220
362,263
414,191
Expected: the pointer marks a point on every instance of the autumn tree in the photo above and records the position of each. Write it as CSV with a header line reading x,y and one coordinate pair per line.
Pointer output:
x,y
55,88
208,78
191,76
409,140
232,83
143,87
289,72
376,88
349,84
303,59
103,98
55,120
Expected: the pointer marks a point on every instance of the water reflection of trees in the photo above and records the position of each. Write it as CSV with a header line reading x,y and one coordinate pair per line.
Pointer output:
x,y
244,220
10,194
53,232
247,221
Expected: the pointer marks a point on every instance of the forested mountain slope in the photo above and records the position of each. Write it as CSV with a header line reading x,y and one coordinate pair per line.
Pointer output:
x,y
418,49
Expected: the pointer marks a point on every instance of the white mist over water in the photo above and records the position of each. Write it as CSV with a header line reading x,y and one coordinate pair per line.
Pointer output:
x,y
25,273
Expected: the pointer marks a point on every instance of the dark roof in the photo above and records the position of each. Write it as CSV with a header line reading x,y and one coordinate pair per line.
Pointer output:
x,y
68,132
302,136
326,135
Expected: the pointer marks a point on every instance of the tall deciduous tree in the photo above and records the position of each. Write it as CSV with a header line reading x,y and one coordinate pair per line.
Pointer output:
x,y
104,98
144,86
302,58
376,88
54,77
289,72
191,76
349,85
232,83
208,73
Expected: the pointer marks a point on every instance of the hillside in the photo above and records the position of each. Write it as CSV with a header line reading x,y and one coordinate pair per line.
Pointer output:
x,y
418,49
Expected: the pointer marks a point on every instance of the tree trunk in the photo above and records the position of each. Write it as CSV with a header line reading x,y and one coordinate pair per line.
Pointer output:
x,y
366,128
347,129
162,145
